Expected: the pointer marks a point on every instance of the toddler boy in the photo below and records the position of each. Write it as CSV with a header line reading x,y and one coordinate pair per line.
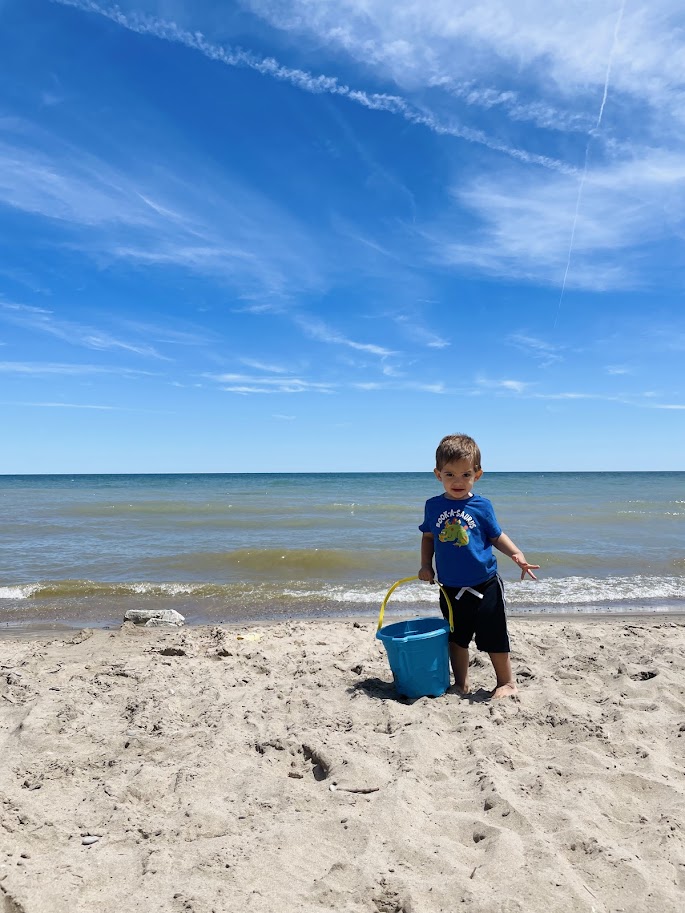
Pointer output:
x,y
459,530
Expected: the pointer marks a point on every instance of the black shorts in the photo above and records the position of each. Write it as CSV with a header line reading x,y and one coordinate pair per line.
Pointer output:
x,y
484,619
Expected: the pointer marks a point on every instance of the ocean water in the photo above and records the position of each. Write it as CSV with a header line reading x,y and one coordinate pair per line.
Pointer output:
x,y
237,547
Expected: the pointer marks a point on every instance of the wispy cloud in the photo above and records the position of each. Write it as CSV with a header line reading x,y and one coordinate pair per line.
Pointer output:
x,y
215,226
70,406
418,332
409,386
552,49
526,391
546,353
49,368
308,82
523,223
436,52
256,383
261,366
44,321
507,386
315,328
612,73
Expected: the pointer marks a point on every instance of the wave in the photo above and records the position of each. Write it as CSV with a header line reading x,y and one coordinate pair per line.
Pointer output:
x,y
312,563
552,594
578,590
65,589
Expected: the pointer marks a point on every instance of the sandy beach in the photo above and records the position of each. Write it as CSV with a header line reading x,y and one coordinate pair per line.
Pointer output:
x,y
273,768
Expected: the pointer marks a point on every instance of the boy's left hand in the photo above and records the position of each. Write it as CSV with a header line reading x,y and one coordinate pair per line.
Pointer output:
x,y
526,568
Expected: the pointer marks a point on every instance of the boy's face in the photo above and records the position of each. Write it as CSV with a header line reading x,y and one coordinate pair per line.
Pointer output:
x,y
458,478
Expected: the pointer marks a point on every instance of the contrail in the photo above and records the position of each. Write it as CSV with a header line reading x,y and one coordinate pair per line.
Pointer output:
x,y
268,66
581,184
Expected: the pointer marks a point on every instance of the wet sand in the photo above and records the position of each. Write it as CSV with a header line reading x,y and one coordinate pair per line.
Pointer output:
x,y
273,768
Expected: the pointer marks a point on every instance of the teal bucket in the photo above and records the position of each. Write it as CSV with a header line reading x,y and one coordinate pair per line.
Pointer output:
x,y
418,651
418,656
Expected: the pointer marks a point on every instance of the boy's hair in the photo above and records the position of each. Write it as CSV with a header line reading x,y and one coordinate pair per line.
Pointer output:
x,y
455,447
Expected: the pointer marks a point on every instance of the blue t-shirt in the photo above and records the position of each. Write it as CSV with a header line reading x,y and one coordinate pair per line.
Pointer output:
x,y
462,531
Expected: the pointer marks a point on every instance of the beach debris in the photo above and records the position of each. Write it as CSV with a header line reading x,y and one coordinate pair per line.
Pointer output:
x,y
253,636
644,675
89,840
79,637
364,790
155,618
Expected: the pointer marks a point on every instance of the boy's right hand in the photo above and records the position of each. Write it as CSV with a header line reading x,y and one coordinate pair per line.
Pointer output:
x,y
427,574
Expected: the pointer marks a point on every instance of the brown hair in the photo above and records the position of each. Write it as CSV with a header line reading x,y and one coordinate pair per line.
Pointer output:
x,y
455,447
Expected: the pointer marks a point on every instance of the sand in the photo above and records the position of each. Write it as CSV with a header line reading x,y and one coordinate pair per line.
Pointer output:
x,y
274,769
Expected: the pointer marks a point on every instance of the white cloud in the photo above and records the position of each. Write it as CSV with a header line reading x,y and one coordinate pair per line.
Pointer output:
x,y
317,329
508,386
70,406
561,47
560,65
260,366
48,368
213,226
244,383
377,101
524,223
44,321
546,353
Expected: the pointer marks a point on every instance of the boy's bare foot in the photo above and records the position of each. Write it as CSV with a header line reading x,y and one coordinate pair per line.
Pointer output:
x,y
459,689
509,689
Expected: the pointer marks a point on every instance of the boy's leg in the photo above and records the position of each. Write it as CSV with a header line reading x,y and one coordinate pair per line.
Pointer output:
x,y
459,657
506,683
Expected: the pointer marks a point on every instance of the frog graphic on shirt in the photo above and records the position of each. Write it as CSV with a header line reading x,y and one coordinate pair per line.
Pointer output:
x,y
453,531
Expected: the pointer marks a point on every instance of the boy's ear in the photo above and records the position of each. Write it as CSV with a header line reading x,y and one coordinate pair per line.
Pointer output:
x,y
478,474
437,474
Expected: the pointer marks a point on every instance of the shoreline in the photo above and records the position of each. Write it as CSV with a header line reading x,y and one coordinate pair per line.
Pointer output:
x,y
43,627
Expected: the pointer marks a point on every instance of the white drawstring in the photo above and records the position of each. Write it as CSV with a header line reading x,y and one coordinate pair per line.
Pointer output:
x,y
467,589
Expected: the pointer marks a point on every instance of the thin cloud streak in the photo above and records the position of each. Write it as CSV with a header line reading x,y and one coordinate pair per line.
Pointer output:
x,y
583,177
268,66
38,369
42,320
72,406
317,329
245,383
108,215
545,353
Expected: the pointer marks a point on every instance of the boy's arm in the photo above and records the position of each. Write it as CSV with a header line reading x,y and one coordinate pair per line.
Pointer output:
x,y
427,551
504,544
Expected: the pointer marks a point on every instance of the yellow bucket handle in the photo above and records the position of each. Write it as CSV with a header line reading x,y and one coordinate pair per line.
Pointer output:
x,y
408,580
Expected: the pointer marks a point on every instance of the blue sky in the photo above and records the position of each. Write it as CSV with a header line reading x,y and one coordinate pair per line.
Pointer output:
x,y
298,235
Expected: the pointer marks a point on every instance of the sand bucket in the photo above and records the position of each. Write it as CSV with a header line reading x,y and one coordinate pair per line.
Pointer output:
x,y
417,650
